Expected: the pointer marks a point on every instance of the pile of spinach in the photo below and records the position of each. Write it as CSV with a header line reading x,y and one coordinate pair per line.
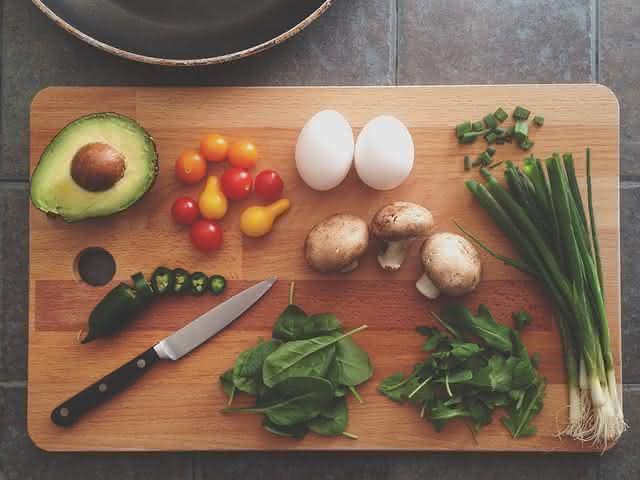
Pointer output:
x,y
475,366
301,377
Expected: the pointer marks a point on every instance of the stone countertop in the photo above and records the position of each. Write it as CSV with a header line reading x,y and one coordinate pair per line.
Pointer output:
x,y
357,42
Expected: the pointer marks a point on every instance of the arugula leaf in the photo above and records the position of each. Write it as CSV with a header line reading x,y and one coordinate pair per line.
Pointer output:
x,y
435,337
521,319
518,422
464,349
483,325
394,385
247,372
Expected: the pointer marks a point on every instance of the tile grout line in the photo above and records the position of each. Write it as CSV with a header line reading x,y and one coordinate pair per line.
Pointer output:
x,y
396,63
595,42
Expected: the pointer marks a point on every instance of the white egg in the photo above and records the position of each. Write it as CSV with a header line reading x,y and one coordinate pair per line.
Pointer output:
x,y
384,153
324,150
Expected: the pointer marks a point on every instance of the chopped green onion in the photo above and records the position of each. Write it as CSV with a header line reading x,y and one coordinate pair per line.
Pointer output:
x,y
477,126
521,113
463,128
526,144
538,120
521,131
491,138
490,121
501,115
496,164
484,158
467,163
500,141
469,137
491,151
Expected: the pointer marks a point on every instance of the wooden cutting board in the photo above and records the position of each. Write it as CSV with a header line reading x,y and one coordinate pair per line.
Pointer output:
x,y
177,406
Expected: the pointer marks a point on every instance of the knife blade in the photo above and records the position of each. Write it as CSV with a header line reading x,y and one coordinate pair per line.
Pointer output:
x,y
173,347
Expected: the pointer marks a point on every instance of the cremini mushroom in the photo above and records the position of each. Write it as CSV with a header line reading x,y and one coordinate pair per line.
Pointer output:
x,y
336,243
451,266
397,225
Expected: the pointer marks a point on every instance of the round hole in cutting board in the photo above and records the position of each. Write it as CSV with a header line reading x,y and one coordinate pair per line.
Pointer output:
x,y
95,266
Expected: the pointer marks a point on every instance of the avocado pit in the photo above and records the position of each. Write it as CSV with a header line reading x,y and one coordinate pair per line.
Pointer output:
x,y
97,167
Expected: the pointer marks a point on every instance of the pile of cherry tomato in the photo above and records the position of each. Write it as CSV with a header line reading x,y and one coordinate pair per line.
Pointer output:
x,y
234,184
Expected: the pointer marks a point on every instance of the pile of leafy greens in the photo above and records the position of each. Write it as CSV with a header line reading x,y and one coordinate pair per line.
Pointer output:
x,y
301,377
475,366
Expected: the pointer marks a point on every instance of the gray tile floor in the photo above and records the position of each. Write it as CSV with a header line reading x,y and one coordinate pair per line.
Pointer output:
x,y
356,42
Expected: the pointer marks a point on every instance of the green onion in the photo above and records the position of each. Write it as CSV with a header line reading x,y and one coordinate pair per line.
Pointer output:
x,y
467,163
469,137
484,158
544,217
490,121
526,144
491,138
538,120
491,151
496,164
521,131
462,128
521,113
477,126
501,115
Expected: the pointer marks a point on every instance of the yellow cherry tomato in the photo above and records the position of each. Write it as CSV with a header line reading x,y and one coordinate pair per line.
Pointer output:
x,y
243,154
212,202
214,147
258,221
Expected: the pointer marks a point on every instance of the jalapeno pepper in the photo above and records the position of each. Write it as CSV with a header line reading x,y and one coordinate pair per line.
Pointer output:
x,y
181,281
113,312
217,284
162,280
199,283
142,287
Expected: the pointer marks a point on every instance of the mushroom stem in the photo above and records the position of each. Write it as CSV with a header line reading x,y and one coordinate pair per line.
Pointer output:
x,y
427,288
393,254
351,267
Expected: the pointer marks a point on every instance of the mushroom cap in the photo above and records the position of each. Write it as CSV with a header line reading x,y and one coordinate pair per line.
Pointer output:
x,y
451,262
400,220
336,242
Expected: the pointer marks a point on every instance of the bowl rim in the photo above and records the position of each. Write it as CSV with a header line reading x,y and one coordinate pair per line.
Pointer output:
x,y
227,57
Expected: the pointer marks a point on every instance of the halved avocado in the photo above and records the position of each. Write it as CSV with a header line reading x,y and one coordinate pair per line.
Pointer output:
x,y
97,165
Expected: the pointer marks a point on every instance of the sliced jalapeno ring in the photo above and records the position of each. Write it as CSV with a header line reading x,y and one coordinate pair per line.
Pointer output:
x,y
162,280
198,283
181,281
217,284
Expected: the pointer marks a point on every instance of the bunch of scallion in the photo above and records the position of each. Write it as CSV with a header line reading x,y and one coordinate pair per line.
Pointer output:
x,y
544,217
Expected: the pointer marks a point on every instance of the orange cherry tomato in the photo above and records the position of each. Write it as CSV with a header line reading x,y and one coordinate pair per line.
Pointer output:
x,y
214,147
190,166
243,154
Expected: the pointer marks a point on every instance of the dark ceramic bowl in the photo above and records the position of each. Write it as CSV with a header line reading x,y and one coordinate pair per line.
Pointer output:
x,y
183,32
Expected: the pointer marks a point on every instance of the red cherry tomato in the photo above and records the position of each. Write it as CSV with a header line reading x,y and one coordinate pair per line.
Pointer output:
x,y
185,210
206,235
236,183
269,185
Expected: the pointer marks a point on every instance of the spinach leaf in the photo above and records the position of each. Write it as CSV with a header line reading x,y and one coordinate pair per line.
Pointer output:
x,y
351,365
521,319
292,401
247,372
299,430
294,324
341,390
333,419
226,381
287,323
300,358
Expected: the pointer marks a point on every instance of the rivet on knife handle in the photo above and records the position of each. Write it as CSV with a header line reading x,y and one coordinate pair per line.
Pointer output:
x,y
69,411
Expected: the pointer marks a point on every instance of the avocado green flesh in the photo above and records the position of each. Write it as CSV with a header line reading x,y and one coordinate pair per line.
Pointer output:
x,y
54,191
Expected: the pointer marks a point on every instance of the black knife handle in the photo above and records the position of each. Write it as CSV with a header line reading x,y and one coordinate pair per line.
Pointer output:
x,y
68,412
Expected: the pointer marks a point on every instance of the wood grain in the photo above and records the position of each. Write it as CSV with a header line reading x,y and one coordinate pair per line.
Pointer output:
x,y
178,406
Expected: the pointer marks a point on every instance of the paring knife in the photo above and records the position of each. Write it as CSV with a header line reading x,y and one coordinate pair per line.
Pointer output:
x,y
174,347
